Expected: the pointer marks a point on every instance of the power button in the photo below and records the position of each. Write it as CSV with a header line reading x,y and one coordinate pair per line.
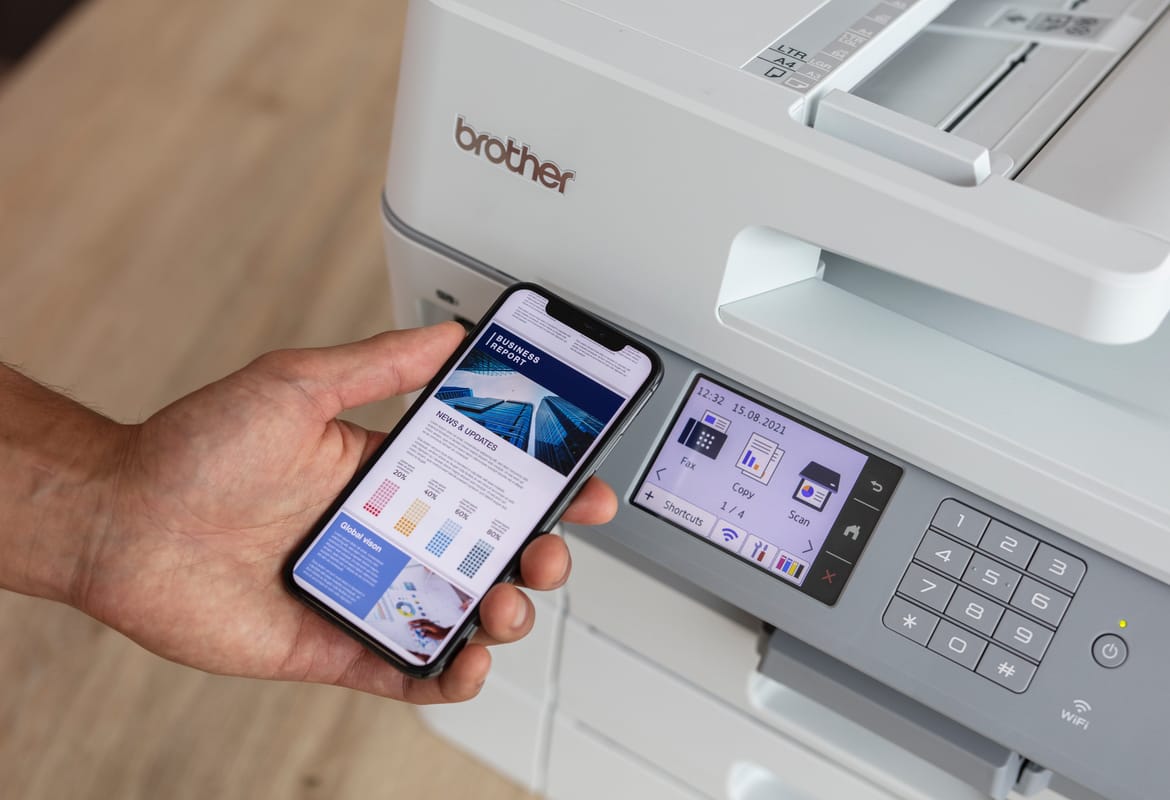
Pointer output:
x,y
1110,651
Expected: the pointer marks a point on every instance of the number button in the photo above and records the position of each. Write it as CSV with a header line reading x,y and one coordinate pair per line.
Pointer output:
x,y
1058,567
974,610
1013,546
926,587
944,554
1030,638
957,644
992,577
1040,601
959,520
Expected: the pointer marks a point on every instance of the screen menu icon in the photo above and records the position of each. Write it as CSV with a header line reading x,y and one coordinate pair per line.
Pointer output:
x,y
817,485
703,437
759,458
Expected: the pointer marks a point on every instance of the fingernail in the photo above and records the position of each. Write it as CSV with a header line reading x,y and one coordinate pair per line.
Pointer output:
x,y
521,616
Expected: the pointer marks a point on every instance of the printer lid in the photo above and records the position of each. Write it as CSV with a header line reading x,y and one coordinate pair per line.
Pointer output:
x,y
1008,217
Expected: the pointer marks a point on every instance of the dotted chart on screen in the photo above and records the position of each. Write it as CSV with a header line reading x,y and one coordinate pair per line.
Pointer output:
x,y
414,514
475,559
443,537
381,496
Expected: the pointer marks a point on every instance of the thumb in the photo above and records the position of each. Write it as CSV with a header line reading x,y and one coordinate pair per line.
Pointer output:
x,y
351,375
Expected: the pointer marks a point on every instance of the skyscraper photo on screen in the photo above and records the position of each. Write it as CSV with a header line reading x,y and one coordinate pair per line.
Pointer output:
x,y
529,399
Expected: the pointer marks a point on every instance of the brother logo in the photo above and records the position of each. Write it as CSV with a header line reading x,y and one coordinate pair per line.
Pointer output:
x,y
520,160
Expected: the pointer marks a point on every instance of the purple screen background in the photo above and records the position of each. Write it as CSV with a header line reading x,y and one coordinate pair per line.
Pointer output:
x,y
713,482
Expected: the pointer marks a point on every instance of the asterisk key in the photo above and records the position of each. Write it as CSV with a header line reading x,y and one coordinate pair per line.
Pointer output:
x,y
909,620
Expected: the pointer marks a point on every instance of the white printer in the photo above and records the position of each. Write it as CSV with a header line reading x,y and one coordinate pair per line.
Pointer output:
x,y
907,262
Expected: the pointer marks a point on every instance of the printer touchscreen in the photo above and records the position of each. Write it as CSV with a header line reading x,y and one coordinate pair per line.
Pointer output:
x,y
789,499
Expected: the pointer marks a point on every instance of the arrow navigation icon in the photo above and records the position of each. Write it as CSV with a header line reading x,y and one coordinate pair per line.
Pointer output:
x,y
658,472
810,547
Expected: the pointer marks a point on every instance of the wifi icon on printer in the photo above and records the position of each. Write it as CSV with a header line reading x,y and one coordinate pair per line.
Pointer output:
x,y
728,535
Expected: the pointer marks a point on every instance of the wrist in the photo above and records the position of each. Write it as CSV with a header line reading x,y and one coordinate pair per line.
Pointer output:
x,y
60,468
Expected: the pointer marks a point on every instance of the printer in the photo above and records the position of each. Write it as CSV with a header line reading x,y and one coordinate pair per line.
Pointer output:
x,y
908,264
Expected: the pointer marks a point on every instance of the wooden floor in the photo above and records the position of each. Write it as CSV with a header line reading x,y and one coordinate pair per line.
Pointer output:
x,y
182,186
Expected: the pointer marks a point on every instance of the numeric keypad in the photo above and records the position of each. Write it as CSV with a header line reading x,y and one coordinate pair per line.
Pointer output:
x,y
990,597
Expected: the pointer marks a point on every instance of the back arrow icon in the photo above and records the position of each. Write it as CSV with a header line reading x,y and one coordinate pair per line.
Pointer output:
x,y
658,473
877,487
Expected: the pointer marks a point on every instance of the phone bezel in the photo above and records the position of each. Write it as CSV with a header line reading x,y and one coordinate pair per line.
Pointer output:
x,y
583,322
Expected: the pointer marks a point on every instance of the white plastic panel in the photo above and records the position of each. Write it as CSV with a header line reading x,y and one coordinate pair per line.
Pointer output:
x,y
504,727
684,731
583,766
934,76
903,139
718,653
729,31
421,276
530,663
714,649
1114,155
1031,101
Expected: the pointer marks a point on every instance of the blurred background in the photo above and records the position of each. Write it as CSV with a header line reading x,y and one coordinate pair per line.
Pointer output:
x,y
183,186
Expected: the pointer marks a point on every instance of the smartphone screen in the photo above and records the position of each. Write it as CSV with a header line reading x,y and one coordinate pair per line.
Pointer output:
x,y
469,475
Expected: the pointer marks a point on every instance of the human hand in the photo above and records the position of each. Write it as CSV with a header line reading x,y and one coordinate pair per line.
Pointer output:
x,y
429,629
216,489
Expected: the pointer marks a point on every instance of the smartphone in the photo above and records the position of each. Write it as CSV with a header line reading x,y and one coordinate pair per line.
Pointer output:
x,y
489,456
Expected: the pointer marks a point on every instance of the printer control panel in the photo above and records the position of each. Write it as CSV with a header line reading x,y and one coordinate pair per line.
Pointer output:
x,y
985,595
778,493
961,607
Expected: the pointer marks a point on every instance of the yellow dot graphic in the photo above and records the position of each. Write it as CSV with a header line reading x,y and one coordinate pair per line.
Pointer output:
x,y
1122,623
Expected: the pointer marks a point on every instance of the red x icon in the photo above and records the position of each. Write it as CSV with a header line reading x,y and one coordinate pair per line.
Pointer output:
x,y
828,576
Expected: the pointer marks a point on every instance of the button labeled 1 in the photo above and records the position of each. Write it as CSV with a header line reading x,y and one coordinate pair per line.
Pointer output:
x,y
959,520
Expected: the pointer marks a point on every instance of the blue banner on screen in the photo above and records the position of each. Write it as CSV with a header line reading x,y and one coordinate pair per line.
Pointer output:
x,y
352,564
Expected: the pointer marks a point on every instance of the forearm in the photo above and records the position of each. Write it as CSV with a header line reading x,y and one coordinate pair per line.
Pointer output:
x,y
59,463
